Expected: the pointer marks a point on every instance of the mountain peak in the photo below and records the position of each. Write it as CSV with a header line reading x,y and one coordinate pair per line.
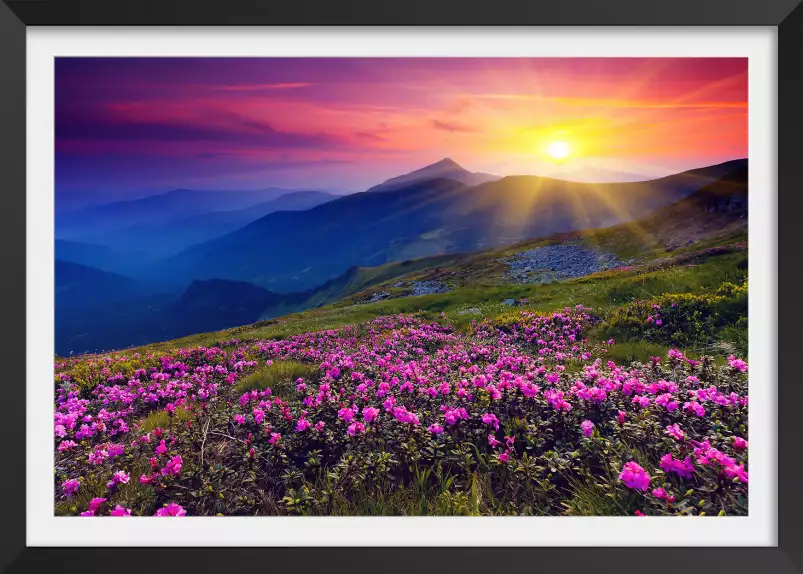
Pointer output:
x,y
446,162
446,168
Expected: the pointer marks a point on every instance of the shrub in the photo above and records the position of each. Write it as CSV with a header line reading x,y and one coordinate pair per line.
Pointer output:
x,y
681,319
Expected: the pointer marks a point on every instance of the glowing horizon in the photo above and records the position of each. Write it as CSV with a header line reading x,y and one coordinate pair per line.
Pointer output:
x,y
130,126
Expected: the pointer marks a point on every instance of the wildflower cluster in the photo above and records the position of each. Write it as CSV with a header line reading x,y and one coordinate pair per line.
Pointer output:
x,y
403,416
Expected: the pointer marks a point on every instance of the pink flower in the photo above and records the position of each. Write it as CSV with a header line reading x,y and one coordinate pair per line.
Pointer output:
x,y
162,448
675,432
259,416
355,428
490,419
493,442
67,445
171,509
120,511
319,426
639,513
665,400
239,419
94,504
737,364
173,466
346,414
620,417
369,414
695,407
303,424
405,416
661,493
736,471
70,486
145,479
587,427
739,443
504,457
119,477
435,428
274,438
635,477
684,468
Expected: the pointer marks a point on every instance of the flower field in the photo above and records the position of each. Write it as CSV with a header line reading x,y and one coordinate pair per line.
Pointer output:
x,y
401,415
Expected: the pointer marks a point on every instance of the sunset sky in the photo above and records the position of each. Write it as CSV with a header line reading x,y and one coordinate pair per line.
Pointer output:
x,y
134,126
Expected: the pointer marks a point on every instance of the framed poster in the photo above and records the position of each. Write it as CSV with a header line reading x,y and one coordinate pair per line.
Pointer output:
x,y
442,285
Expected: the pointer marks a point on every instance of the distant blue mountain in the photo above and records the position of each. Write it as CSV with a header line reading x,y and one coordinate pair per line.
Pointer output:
x,y
178,203
102,257
157,237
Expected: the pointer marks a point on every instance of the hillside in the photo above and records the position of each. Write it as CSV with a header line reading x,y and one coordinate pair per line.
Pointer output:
x,y
291,252
81,287
205,306
713,215
466,285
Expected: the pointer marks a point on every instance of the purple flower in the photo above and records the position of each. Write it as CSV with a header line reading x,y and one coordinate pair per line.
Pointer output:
x,y
587,427
70,486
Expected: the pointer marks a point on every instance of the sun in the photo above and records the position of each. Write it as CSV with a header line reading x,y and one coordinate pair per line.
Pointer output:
x,y
559,150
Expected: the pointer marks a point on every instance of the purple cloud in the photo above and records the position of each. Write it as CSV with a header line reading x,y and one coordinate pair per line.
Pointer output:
x,y
451,126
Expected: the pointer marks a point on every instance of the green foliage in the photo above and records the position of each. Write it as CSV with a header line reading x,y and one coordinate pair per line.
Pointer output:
x,y
693,321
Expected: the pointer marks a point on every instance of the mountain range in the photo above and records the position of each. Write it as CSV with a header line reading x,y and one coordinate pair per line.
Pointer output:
x,y
117,215
161,236
286,261
296,251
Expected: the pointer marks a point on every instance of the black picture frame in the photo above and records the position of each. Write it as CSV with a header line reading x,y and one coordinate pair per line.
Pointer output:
x,y
787,15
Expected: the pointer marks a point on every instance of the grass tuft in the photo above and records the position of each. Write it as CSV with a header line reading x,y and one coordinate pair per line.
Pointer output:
x,y
280,376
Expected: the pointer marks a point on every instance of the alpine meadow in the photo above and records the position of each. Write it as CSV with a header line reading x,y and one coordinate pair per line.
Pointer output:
x,y
405,287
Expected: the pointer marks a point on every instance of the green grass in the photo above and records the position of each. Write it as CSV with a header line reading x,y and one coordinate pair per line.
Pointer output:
x,y
602,291
161,419
627,351
280,376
